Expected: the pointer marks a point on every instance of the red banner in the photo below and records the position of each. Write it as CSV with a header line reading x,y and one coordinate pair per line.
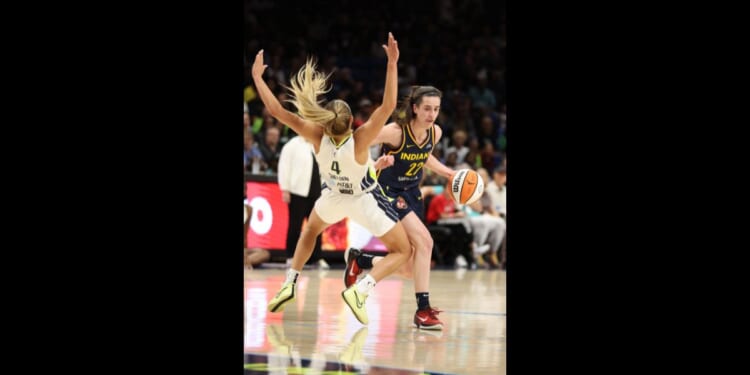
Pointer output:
x,y
270,216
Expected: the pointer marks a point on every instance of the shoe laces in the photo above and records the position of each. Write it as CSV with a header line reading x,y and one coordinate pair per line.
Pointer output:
x,y
433,312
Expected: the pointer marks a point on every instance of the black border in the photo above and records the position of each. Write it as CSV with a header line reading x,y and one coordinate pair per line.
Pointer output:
x,y
144,269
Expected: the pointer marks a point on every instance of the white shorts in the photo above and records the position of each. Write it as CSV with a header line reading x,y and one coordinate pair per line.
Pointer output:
x,y
371,210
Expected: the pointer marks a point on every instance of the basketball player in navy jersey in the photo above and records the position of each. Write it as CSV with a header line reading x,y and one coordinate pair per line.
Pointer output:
x,y
407,146
349,188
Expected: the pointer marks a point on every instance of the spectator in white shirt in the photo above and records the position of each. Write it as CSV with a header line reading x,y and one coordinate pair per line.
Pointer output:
x,y
299,181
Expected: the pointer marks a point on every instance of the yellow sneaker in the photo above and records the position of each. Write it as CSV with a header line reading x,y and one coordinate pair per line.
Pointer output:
x,y
352,354
284,296
277,339
356,302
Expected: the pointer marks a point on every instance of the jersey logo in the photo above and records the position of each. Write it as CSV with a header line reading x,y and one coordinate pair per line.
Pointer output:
x,y
401,203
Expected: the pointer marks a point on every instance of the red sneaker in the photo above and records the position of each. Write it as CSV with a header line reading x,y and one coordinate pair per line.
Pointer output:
x,y
352,270
427,319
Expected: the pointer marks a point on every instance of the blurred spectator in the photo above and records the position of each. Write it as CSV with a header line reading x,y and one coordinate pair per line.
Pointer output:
x,y
481,95
458,146
489,131
443,211
362,113
270,148
488,156
487,227
473,159
450,160
253,159
497,191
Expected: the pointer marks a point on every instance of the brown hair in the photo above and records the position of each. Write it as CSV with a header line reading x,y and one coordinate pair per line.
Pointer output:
x,y
405,114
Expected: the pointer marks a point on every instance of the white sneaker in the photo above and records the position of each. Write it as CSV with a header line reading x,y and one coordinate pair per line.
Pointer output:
x,y
461,262
481,249
323,265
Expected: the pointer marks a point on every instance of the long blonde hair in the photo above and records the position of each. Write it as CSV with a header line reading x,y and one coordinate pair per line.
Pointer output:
x,y
307,85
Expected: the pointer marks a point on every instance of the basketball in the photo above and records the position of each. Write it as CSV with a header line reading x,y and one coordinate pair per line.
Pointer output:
x,y
466,186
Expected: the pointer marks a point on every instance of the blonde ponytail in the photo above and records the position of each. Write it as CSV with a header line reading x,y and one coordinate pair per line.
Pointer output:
x,y
307,85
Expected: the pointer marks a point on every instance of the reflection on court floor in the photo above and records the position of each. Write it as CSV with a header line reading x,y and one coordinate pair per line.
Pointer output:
x,y
318,334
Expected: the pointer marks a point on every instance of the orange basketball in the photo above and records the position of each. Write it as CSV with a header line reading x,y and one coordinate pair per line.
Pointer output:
x,y
466,186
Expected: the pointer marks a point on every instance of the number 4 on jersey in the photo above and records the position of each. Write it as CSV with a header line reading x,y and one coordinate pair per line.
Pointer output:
x,y
335,167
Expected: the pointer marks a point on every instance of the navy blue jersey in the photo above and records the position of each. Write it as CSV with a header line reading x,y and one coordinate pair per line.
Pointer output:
x,y
408,160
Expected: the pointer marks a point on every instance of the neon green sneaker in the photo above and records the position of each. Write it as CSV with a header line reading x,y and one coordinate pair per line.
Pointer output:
x,y
352,354
356,302
284,296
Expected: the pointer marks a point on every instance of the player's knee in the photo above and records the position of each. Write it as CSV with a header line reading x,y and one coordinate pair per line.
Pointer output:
x,y
428,244
424,243
424,248
407,249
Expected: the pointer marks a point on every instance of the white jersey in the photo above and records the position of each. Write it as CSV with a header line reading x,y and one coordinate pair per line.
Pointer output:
x,y
351,190
339,170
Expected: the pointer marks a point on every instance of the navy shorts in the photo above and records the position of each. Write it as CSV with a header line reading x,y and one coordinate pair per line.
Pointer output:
x,y
406,201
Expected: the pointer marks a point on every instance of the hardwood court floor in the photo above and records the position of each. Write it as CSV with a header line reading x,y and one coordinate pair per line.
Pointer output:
x,y
318,334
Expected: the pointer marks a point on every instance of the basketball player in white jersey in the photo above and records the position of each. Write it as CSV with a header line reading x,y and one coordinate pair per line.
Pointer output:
x,y
349,187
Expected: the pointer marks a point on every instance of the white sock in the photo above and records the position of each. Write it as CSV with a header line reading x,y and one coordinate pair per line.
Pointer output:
x,y
365,285
291,276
